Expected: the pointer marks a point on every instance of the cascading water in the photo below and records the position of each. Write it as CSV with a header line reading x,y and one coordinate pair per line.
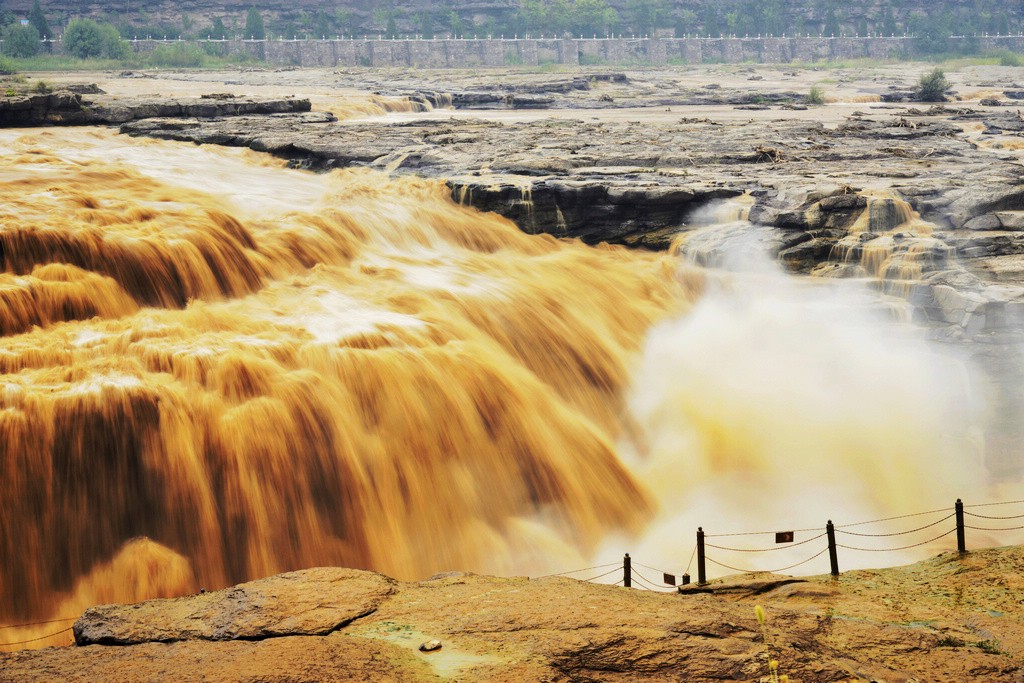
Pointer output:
x,y
358,372
215,369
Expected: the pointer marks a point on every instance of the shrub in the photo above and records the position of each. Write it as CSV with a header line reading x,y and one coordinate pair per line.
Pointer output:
x,y
84,38
816,95
178,55
254,27
1007,58
21,41
114,46
933,86
6,67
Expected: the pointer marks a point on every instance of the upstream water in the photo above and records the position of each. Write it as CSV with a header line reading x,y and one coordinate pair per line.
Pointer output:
x,y
215,368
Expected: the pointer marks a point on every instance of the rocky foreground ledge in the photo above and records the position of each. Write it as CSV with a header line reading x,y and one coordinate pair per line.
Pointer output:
x,y
92,107
945,619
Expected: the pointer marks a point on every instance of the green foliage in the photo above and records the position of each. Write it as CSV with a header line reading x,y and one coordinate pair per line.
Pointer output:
x,y
150,30
990,647
425,24
685,22
319,24
1008,58
816,95
887,26
114,47
933,86
37,20
832,26
83,39
575,17
20,41
949,641
254,27
932,32
644,16
455,24
217,30
6,67
177,55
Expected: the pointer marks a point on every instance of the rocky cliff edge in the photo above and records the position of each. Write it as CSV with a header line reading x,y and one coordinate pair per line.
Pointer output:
x,y
947,618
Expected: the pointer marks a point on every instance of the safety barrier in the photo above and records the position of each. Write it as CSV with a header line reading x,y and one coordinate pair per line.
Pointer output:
x,y
832,532
633,577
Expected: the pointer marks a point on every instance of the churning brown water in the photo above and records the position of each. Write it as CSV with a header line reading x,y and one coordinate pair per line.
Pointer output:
x,y
291,370
215,369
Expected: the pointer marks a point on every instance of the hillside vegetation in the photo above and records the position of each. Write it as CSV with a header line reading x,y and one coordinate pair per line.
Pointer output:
x,y
315,18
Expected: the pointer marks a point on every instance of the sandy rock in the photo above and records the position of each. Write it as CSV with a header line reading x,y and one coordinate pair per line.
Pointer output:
x,y
308,602
948,618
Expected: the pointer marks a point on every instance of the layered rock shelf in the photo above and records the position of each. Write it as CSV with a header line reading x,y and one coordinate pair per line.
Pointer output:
x,y
948,618
67,108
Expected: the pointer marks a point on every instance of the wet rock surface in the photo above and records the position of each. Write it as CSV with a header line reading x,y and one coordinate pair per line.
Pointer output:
x,y
81,106
948,618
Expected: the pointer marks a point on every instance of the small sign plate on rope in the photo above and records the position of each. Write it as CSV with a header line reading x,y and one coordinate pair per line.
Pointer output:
x,y
669,579
783,536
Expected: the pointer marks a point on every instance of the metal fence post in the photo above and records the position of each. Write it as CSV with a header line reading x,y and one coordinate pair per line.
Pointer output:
x,y
830,530
627,571
702,575
961,543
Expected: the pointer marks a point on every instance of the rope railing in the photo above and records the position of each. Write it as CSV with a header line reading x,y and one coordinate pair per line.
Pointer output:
x,y
998,528
585,569
905,547
36,640
784,540
766,550
973,514
896,533
770,571
672,582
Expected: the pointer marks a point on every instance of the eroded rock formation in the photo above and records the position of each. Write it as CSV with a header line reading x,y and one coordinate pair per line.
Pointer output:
x,y
948,618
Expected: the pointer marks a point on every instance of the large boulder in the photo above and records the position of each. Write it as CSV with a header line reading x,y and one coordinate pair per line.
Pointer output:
x,y
308,602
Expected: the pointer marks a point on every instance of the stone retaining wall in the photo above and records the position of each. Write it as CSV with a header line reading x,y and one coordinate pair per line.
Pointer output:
x,y
461,53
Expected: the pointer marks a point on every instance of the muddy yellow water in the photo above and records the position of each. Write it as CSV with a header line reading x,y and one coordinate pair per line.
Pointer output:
x,y
259,370
213,368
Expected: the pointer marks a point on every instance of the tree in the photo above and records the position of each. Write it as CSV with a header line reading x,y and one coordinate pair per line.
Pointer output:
x,y
931,31
425,24
590,17
455,24
217,29
113,45
646,15
320,24
254,27
38,20
932,87
84,38
888,25
831,27
686,22
21,41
